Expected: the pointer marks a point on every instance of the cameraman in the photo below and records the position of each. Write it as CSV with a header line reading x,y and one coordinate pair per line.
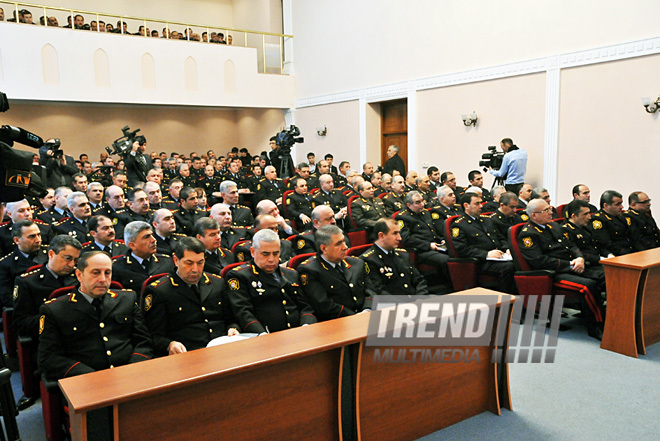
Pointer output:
x,y
514,166
278,158
137,163
60,168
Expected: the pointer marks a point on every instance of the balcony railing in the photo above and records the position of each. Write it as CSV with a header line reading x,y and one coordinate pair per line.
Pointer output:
x,y
269,46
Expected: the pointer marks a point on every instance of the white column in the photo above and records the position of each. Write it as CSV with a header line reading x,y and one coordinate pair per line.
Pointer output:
x,y
550,150
362,116
287,27
412,128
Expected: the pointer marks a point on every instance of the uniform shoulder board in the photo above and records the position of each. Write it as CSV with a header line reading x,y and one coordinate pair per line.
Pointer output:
x,y
4,223
24,275
39,222
119,241
86,243
459,220
403,250
214,276
61,221
119,258
4,257
179,234
244,266
368,253
241,206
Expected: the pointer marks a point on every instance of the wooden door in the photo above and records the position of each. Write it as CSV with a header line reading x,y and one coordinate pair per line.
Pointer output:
x,y
394,128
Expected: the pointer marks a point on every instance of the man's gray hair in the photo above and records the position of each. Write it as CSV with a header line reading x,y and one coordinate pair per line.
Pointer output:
x,y
316,212
95,184
61,190
133,229
396,149
11,206
324,234
539,190
226,185
410,195
148,185
444,191
325,178
534,205
71,199
264,236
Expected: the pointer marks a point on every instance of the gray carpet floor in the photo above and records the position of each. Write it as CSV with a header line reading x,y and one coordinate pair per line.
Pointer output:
x,y
586,394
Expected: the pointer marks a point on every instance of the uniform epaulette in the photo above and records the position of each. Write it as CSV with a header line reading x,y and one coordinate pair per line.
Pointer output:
x,y
86,243
215,276
4,257
369,253
403,250
459,220
242,267
4,223
55,299
39,213
119,241
118,258
39,222
61,221
30,273
178,234
242,206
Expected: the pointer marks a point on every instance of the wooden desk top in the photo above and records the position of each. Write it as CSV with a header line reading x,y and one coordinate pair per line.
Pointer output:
x,y
124,383
639,260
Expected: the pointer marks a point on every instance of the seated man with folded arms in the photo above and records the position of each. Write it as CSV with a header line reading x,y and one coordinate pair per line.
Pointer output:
x,y
187,309
477,237
265,297
335,285
390,268
299,204
544,246
91,329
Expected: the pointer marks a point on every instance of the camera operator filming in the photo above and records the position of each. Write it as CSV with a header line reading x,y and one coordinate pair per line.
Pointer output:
x,y
514,166
60,168
131,147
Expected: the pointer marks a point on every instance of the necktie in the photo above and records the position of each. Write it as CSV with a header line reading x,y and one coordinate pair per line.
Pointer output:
x,y
339,270
145,264
195,289
96,303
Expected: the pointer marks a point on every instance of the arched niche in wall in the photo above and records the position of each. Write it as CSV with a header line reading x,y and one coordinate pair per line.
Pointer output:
x,y
190,73
230,77
50,65
148,72
101,68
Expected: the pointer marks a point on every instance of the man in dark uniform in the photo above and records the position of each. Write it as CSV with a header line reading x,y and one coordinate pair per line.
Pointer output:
x,y
477,237
423,234
366,209
334,199
303,172
31,290
583,193
267,222
207,230
134,268
59,209
114,207
476,179
187,214
95,195
299,204
171,201
447,178
187,309
164,231
322,215
505,217
284,228
368,171
390,268
271,187
103,234
18,211
610,228
265,297
76,226
28,252
394,162
229,235
447,206
92,329
544,246
235,174
575,229
138,207
643,229
333,284
240,214
395,200
494,203
154,195
424,188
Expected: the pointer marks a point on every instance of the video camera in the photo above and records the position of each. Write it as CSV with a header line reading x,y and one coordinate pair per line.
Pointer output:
x,y
17,178
491,159
122,146
287,138
54,146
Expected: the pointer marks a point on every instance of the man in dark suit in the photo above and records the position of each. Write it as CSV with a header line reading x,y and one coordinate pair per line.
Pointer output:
x,y
187,214
265,297
134,268
137,163
29,252
394,162
390,268
92,329
333,284
207,231
60,170
103,234
191,289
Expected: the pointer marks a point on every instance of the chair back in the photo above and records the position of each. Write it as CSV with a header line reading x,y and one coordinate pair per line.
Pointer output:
x,y
354,224
300,258
359,237
448,237
519,260
357,250
229,267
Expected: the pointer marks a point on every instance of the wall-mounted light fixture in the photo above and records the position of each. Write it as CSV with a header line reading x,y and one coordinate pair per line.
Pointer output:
x,y
469,119
322,131
651,107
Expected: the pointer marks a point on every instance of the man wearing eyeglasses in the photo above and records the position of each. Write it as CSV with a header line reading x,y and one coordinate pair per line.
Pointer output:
x,y
31,290
643,229
544,246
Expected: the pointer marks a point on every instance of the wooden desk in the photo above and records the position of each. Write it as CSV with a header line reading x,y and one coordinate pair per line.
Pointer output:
x,y
633,302
284,385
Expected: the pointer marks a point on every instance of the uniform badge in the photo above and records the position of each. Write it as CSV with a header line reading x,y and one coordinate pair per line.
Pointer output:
x,y
597,225
527,241
524,217
366,268
382,270
254,284
259,284
240,256
15,292
366,207
300,244
233,284
258,186
303,279
42,321
148,302
628,221
114,221
400,224
288,201
454,232
435,216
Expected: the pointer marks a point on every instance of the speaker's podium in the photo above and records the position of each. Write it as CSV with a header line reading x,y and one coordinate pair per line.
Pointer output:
x,y
315,382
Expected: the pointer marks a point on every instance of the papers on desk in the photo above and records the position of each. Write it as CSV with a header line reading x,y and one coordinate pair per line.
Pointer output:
x,y
505,258
226,339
